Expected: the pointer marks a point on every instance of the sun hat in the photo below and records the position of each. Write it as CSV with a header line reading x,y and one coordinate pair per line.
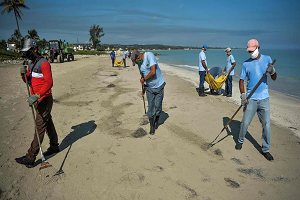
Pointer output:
x,y
227,49
204,46
134,56
28,44
252,45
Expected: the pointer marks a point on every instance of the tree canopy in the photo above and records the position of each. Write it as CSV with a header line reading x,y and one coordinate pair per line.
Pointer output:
x,y
14,5
96,33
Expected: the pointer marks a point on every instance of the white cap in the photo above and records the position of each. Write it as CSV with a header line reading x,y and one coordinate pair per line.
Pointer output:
x,y
227,49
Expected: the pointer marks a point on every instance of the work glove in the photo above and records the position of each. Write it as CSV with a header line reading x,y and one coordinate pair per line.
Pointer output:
x,y
33,98
270,69
23,70
244,100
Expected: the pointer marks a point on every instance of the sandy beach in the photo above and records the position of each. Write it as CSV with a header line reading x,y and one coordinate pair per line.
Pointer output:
x,y
107,153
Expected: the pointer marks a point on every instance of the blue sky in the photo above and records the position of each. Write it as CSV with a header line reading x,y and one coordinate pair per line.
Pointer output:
x,y
217,23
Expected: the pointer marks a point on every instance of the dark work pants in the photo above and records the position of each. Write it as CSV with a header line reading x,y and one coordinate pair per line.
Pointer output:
x,y
113,62
228,85
155,97
124,61
44,124
202,79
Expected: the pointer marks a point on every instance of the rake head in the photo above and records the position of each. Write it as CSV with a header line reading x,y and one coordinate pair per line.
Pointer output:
x,y
46,172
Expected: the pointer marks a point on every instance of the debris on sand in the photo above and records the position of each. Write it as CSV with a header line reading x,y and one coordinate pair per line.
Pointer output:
x,y
145,122
113,75
256,172
192,192
238,161
140,132
111,85
218,152
172,107
231,183
280,178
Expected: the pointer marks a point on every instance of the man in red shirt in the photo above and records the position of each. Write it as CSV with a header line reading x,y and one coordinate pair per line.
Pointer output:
x,y
39,78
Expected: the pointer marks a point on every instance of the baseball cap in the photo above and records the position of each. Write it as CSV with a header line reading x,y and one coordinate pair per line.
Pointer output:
x,y
252,45
28,44
134,56
227,49
204,46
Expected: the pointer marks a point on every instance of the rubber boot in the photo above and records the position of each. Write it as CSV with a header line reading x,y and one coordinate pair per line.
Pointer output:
x,y
152,128
202,94
156,122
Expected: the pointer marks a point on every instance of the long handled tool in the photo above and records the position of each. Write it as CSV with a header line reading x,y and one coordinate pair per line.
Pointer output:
x,y
46,169
210,144
144,100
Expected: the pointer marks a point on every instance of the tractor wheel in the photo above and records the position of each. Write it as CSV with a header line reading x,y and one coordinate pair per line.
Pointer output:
x,y
72,57
62,58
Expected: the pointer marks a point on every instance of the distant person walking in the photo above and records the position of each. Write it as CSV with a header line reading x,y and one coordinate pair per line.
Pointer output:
x,y
153,83
124,58
39,78
253,69
202,70
229,69
113,57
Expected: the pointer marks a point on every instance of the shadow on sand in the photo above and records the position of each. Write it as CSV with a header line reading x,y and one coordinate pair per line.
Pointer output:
x,y
235,130
79,131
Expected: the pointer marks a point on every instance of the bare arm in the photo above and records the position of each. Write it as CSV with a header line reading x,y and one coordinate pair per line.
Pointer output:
x,y
241,84
204,65
274,76
233,65
150,75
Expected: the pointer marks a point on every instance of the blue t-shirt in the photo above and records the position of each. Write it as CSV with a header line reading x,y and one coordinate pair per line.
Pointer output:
x,y
230,61
124,54
254,70
150,60
112,54
202,57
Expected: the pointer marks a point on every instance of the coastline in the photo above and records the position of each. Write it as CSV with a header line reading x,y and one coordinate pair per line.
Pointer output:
x,y
285,110
97,113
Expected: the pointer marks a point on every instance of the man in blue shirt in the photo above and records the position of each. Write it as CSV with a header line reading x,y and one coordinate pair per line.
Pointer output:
x,y
253,69
153,83
124,58
229,69
113,57
202,70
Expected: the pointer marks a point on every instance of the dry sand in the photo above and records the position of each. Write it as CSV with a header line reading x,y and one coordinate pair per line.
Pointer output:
x,y
98,114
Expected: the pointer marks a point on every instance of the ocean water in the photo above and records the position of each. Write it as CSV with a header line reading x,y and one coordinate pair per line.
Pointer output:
x,y
287,65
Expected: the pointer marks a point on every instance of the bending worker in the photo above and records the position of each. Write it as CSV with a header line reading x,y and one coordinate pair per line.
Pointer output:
x,y
253,69
153,83
39,77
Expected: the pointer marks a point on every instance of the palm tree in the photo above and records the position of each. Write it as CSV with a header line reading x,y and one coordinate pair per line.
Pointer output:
x,y
32,34
16,6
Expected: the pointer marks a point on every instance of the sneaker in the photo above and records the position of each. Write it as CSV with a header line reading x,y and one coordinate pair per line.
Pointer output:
x,y
238,146
225,94
24,160
229,95
51,151
268,156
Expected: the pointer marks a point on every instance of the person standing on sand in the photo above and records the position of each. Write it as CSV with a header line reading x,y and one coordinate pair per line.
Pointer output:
x,y
153,83
202,70
229,69
124,58
40,80
113,57
253,69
